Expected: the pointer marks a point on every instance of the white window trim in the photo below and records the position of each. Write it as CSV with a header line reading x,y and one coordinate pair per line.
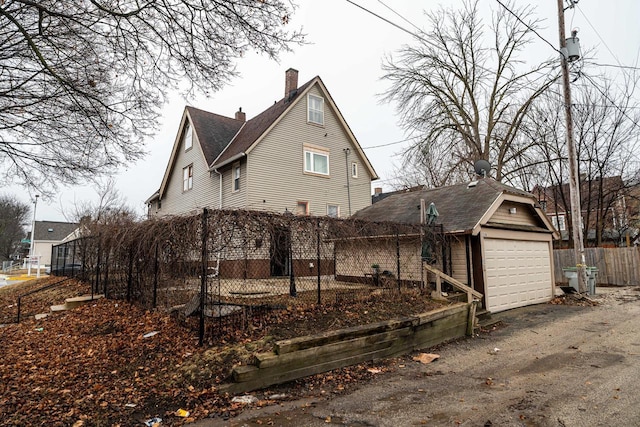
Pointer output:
x,y
188,136
337,210
557,223
354,170
320,111
308,169
236,169
187,178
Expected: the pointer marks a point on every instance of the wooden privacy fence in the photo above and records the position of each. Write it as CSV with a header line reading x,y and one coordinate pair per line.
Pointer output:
x,y
616,266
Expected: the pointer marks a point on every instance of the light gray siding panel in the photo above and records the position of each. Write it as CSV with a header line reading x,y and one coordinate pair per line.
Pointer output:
x,y
276,166
459,260
522,215
234,199
205,185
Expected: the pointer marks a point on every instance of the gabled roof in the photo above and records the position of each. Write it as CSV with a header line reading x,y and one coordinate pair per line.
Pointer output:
x,y
213,132
224,139
257,126
52,230
462,207
255,129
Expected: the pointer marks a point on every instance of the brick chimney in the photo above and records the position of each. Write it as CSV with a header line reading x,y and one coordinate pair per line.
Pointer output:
x,y
290,81
241,115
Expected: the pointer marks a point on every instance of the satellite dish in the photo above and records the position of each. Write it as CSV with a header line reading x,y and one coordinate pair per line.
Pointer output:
x,y
482,167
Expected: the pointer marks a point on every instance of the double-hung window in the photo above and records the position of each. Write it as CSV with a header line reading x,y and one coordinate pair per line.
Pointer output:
x,y
315,109
333,211
316,161
558,222
187,178
236,177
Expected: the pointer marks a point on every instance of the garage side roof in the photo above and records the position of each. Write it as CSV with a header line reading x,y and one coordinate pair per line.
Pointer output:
x,y
461,206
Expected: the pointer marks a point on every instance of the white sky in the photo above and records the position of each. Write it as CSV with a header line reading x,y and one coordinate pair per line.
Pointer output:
x,y
346,51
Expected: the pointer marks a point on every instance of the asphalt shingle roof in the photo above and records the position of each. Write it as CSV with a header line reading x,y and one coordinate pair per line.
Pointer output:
x,y
52,230
460,206
254,128
214,131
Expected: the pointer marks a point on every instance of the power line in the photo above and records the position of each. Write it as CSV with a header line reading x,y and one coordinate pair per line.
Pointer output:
x,y
387,144
528,26
389,22
401,17
599,36
624,113
628,67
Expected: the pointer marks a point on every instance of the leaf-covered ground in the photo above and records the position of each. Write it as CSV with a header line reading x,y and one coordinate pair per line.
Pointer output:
x,y
112,363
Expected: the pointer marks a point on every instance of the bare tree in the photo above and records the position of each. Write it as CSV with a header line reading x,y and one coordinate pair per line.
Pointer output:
x,y
464,94
13,216
110,204
81,82
607,135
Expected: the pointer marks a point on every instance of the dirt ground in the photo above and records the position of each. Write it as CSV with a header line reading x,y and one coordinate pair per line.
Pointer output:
x,y
545,365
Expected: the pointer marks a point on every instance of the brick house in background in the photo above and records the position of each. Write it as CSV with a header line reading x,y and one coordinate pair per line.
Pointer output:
x,y
299,155
607,211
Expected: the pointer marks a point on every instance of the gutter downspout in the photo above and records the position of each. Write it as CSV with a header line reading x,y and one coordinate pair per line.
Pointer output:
x,y
220,188
346,160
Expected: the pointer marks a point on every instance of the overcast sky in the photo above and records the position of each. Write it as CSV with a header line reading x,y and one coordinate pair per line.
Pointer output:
x,y
346,48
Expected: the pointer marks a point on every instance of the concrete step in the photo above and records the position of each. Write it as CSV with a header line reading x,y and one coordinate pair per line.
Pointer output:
x,y
41,316
71,303
57,308
78,301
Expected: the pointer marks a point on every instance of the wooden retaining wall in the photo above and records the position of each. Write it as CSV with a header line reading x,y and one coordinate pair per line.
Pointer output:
x,y
616,266
303,356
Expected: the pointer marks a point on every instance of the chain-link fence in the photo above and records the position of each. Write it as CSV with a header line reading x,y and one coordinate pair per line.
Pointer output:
x,y
249,263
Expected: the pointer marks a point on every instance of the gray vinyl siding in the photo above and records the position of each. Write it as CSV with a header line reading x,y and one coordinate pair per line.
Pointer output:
x,y
459,260
523,215
205,185
234,199
276,178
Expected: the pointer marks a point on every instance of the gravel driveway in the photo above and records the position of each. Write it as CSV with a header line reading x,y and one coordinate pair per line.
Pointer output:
x,y
549,365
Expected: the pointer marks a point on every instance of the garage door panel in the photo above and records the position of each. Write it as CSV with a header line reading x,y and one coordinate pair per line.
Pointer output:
x,y
518,273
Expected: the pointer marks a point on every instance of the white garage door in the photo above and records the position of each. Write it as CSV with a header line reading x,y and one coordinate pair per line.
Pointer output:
x,y
518,273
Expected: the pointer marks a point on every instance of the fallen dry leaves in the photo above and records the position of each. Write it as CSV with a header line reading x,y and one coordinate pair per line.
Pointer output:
x,y
113,363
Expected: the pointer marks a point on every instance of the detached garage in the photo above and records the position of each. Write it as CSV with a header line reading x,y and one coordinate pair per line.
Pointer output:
x,y
498,239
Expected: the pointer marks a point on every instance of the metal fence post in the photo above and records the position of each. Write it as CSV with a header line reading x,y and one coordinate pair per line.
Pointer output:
x,y
292,279
398,255
203,273
130,273
98,267
318,255
156,265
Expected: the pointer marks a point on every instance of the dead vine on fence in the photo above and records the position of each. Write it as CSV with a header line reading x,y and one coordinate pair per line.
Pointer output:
x,y
255,263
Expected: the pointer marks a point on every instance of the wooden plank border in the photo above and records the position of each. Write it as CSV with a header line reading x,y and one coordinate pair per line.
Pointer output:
x,y
303,356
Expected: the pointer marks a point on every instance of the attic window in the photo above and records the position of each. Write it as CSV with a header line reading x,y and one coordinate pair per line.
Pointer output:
x,y
315,109
188,136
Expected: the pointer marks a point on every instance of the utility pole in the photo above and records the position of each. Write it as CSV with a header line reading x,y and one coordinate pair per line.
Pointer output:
x,y
574,178
31,244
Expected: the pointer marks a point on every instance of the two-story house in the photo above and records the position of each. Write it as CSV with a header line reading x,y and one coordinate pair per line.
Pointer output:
x,y
299,156
605,206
